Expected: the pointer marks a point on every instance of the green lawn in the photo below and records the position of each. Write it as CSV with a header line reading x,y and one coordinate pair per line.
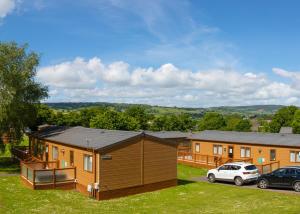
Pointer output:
x,y
186,198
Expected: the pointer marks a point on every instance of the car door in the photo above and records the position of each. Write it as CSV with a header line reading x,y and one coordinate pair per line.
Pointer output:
x,y
289,177
232,172
276,177
222,172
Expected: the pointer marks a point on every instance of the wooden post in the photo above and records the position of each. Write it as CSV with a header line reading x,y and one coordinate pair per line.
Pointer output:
x,y
206,159
54,179
33,178
27,173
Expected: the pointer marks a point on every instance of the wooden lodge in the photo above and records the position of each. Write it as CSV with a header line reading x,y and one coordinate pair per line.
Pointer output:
x,y
268,151
100,163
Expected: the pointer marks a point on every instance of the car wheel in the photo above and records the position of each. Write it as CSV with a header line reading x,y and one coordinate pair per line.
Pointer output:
x,y
211,178
263,184
297,186
238,181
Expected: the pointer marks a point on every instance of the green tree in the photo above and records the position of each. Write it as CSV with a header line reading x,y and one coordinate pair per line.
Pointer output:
x,y
283,117
139,113
87,114
264,126
243,126
180,122
45,115
296,122
19,91
114,120
232,121
212,121
159,123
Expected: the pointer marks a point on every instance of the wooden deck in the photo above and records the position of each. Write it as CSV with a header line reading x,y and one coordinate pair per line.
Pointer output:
x,y
210,162
21,152
47,175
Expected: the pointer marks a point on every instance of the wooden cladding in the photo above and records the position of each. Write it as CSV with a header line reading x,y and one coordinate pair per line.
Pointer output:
x,y
142,162
124,170
159,162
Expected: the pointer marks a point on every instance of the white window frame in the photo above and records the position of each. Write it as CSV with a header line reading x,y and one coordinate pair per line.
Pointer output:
x,y
295,156
197,147
88,163
217,149
245,152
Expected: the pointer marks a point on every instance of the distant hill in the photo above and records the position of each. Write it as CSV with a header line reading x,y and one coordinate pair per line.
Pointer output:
x,y
249,111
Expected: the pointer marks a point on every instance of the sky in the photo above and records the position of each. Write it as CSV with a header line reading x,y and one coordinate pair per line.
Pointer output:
x,y
185,53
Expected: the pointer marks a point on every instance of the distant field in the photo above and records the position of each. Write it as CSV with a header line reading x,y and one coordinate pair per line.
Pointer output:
x,y
188,197
195,112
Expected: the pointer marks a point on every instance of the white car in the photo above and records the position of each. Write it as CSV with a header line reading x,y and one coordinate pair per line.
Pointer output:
x,y
238,172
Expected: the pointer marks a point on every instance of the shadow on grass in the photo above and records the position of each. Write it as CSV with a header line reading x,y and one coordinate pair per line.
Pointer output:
x,y
9,165
184,182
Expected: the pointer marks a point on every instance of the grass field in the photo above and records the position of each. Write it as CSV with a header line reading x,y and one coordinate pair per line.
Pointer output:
x,y
189,197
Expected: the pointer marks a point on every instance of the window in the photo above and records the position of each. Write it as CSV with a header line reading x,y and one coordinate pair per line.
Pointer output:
x,y
72,158
88,163
290,172
218,149
223,167
294,156
197,147
272,155
235,167
245,152
279,172
54,153
250,167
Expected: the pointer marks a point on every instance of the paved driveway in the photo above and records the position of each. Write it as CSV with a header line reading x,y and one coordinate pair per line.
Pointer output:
x,y
249,186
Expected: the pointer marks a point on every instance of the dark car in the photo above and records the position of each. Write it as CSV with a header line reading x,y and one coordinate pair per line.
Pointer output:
x,y
287,177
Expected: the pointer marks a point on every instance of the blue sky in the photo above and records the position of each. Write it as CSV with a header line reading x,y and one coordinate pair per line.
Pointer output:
x,y
163,52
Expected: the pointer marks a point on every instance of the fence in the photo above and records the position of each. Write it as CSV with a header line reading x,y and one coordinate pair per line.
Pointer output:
x,y
269,167
208,161
39,175
20,152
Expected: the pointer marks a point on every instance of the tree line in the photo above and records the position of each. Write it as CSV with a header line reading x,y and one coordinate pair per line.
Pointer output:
x,y
137,118
288,116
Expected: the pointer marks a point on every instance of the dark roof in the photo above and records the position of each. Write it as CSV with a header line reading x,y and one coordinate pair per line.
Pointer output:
x,y
274,139
169,134
85,137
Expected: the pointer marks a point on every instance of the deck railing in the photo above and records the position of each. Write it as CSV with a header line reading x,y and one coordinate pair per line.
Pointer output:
x,y
46,174
269,167
20,152
200,159
207,160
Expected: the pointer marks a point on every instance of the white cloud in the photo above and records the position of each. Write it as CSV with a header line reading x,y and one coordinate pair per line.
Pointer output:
x,y
92,80
6,7
72,74
295,75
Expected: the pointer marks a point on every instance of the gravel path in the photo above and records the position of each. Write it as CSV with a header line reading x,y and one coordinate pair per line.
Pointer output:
x,y
248,186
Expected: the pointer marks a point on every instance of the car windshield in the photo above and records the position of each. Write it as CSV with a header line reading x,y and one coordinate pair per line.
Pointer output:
x,y
250,167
